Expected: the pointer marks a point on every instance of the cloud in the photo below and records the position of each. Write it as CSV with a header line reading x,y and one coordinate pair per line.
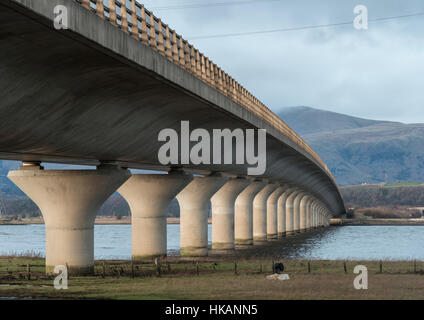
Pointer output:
x,y
373,74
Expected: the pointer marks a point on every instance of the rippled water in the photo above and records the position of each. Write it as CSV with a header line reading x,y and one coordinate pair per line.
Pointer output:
x,y
347,242
365,243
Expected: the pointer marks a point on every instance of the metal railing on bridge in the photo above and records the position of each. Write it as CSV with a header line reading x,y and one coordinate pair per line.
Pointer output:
x,y
133,18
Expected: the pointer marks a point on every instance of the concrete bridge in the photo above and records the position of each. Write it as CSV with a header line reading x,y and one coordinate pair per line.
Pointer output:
x,y
99,92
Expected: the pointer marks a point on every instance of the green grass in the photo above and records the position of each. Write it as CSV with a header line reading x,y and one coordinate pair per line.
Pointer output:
x,y
216,280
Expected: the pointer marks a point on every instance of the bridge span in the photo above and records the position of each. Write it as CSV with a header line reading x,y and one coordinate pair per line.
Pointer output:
x,y
99,93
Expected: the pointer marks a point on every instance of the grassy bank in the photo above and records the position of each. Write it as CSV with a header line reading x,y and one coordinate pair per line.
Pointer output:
x,y
376,222
215,279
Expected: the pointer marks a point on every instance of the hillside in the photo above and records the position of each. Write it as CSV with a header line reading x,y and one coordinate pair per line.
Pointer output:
x,y
361,196
306,120
360,150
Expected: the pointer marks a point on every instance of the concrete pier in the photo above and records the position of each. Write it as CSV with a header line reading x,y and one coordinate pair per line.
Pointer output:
x,y
296,212
272,213
314,214
259,213
317,215
289,211
281,212
320,216
223,214
303,212
243,216
309,212
194,204
148,196
69,201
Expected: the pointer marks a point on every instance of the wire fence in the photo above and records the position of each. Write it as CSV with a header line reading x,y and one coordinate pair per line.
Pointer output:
x,y
35,270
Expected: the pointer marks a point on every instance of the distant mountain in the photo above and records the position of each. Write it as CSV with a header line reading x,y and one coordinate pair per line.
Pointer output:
x,y
306,120
359,150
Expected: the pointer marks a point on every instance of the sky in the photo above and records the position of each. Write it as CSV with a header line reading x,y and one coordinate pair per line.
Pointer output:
x,y
376,73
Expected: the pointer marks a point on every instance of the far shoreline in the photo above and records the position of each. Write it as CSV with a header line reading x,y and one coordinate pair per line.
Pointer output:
x,y
377,222
102,220
111,220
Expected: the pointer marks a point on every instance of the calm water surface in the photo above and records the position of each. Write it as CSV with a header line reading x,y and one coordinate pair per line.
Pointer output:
x,y
347,242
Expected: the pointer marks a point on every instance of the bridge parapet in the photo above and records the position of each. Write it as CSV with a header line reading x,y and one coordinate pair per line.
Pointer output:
x,y
133,18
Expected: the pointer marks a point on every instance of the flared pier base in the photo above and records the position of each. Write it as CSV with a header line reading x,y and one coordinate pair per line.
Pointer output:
x,y
223,215
69,201
149,196
194,204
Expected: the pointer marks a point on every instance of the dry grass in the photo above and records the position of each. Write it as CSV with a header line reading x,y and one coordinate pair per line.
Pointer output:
x,y
387,212
217,280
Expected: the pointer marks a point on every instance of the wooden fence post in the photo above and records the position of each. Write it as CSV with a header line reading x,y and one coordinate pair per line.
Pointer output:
x,y
124,16
85,3
112,12
28,271
158,270
100,10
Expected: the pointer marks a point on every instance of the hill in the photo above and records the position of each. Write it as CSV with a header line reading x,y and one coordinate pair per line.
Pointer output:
x,y
306,120
359,150
361,196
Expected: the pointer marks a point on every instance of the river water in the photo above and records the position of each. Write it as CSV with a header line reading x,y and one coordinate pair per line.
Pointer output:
x,y
335,243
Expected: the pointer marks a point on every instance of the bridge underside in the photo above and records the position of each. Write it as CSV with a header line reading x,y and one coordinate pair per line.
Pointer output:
x,y
66,98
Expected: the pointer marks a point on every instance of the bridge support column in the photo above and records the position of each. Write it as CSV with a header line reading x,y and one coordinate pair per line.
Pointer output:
x,y
312,213
223,214
243,227
296,212
321,223
69,201
148,196
289,212
272,213
281,213
308,212
319,216
194,204
303,213
316,215
259,213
